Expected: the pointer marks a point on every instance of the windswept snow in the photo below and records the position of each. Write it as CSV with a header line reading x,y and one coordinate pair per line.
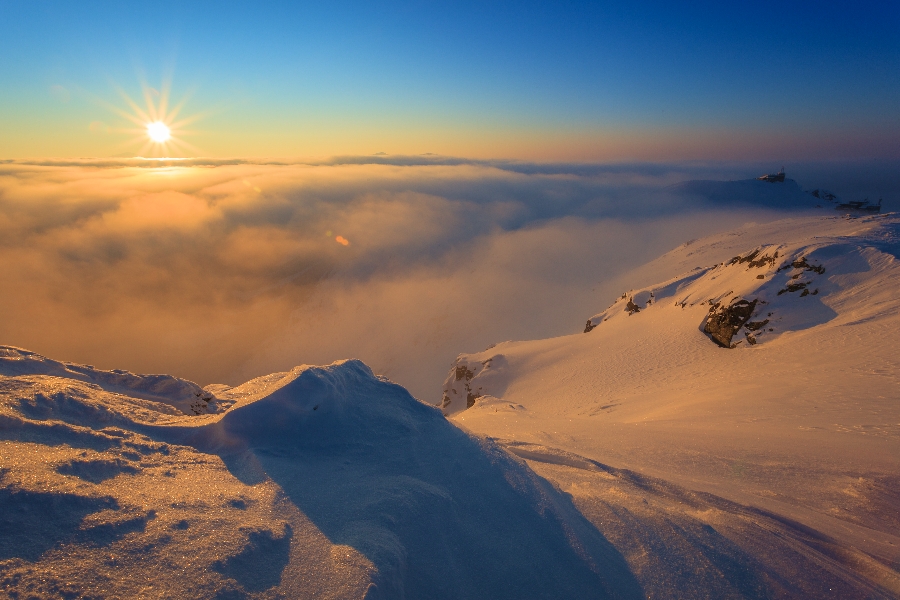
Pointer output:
x,y
796,420
321,482
185,396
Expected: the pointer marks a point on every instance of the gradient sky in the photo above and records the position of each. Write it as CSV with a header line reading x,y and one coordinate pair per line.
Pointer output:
x,y
530,80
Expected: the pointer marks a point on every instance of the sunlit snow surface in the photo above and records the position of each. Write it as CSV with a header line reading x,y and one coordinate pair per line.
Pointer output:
x,y
320,482
640,459
765,469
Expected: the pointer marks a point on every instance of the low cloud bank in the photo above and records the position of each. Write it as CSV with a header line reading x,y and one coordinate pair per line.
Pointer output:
x,y
221,270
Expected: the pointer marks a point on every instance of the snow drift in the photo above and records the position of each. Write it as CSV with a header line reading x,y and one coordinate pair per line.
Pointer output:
x,y
317,482
185,396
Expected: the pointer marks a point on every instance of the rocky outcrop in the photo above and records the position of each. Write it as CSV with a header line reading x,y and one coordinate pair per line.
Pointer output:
x,y
470,380
802,263
725,321
754,260
801,286
772,275
629,303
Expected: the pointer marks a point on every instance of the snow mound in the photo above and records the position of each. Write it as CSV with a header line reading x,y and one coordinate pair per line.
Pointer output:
x,y
313,407
316,482
186,396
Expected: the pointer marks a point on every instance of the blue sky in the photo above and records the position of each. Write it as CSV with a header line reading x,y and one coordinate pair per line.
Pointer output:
x,y
315,78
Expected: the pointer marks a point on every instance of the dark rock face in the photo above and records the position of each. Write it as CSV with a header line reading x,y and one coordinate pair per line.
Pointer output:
x,y
464,374
801,263
755,325
754,260
589,326
725,321
631,307
795,287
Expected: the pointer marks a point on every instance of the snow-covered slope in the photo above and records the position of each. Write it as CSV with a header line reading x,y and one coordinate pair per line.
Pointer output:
x,y
185,396
321,482
733,431
763,369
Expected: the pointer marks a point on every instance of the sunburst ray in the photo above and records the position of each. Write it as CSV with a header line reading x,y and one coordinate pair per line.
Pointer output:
x,y
158,134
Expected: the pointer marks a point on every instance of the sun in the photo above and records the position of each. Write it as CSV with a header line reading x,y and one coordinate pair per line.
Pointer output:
x,y
158,131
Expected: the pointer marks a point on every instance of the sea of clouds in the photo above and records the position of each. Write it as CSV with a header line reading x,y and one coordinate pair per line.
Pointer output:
x,y
222,270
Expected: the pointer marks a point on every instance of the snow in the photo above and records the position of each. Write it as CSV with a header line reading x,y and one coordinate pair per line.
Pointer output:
x,y
639,459
804,424
185,396
317,482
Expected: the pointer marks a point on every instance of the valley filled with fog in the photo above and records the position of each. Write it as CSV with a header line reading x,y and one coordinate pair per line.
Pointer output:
x,y
223,270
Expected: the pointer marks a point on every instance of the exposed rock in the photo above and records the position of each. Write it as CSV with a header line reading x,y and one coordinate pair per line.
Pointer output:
x,y
463,372
754,259
459,384
724,322
801,263
754,325
631,307
589,326
794,287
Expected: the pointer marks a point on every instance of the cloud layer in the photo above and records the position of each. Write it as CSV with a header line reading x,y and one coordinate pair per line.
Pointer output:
x,y
219,271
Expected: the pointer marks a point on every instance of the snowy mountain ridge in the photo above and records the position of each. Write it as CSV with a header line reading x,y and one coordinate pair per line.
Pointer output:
x,y
765,375
183,395
660,454
752,298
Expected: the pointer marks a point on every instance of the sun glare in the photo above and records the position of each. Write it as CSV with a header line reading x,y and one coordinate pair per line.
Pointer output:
x,y
161,130
158,131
